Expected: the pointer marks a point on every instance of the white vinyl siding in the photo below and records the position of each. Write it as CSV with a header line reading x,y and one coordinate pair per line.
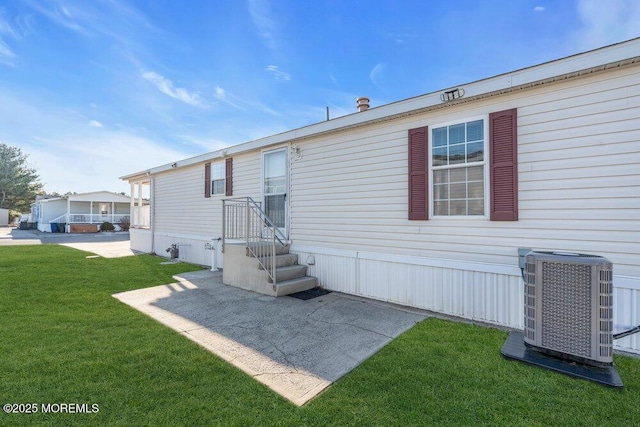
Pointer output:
x,y
246,175
578,180
180,207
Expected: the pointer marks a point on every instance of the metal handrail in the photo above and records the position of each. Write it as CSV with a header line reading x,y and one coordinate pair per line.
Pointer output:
x,y
244,219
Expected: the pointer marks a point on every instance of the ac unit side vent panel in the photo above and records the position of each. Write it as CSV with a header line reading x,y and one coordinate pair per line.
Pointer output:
x,y
569,305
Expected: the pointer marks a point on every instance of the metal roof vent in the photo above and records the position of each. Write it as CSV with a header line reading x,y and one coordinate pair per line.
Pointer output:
x,y
362,103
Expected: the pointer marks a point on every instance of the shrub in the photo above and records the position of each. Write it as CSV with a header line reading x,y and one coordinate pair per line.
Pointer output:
x,y
125,223
107,226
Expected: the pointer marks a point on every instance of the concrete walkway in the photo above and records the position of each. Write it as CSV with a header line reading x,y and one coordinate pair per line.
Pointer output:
x,y
297,348
107,245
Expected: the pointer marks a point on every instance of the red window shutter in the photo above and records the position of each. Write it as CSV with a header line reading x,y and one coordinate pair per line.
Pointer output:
x,y
418,174
503,141
229,177
207,180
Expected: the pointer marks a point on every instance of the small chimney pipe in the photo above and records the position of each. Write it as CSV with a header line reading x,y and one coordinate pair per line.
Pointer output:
x,y
362,103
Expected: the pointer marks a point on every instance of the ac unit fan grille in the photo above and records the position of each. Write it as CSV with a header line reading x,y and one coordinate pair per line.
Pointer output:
x,y
566,308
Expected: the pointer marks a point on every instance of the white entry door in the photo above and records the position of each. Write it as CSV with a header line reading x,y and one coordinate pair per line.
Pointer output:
x,y
275,187
105,212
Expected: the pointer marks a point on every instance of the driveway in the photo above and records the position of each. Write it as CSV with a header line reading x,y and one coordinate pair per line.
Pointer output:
x,y
107,245
297,348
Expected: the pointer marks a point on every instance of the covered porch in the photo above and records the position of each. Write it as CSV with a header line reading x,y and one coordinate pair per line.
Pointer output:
x,y
85,213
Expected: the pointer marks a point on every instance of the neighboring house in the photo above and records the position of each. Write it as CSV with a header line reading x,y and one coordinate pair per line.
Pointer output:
x,y
80,212
425,202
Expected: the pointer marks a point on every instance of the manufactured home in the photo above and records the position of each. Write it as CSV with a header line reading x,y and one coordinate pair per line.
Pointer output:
x,y
429,201
79,213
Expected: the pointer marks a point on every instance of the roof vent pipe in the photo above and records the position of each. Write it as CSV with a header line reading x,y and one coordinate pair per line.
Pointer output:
x,y
362,103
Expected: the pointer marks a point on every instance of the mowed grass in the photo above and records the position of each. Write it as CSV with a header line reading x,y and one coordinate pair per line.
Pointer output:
x,y
65,339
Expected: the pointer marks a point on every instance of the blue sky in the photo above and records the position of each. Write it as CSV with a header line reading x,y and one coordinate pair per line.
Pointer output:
x,y
95,89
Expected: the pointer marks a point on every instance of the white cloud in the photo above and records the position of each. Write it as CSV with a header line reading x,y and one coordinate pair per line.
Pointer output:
x,y
62,15
165,86
116,19
5,26
276,73
262,17
95,124
6,53
228,98
68,154
401,38
81,166
205,143
377,73
538,9
242,104
220,93
333,79
606,22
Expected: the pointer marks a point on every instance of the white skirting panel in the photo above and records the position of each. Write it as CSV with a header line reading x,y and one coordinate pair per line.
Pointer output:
x,y
140,240
626,300
191,249
482,292
428,284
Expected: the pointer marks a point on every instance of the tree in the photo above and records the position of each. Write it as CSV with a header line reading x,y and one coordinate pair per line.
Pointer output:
x,y
19,183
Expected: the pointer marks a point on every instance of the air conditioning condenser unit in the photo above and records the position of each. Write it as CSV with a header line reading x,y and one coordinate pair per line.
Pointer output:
x,y
568,316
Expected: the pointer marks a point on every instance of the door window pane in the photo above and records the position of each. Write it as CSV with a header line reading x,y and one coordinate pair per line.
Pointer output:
x,y
275,170
274,208
275,187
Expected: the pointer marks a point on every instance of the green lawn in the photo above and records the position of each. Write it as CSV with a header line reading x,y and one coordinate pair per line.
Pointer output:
x,y
65,339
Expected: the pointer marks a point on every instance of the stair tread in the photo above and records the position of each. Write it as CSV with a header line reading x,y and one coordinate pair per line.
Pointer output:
x,y
280,249
280,261
297,279
291,267
295,285
289,272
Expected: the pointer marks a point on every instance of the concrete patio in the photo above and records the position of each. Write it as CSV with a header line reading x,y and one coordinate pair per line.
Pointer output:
x,y
297,348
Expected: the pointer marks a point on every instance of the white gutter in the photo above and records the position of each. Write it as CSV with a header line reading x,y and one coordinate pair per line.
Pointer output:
x,y
597,60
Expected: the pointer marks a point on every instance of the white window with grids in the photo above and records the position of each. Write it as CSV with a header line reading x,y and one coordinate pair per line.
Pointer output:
x,y
218,178
458,172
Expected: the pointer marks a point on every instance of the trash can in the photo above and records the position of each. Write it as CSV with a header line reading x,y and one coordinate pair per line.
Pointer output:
x,y
54,227
62,227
